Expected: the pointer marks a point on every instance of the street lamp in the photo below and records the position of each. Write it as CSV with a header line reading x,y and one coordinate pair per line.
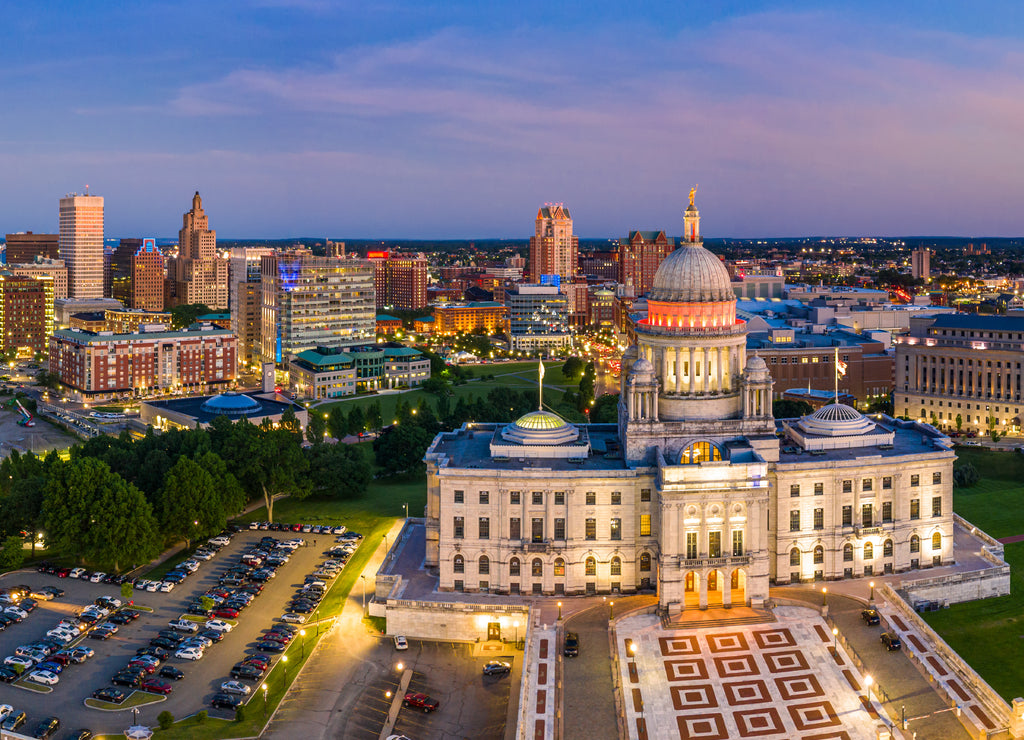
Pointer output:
x,y
284,661
400,666
406,505
363,579
824,596
264,687
835,639
611,607
559,611
868,681
385,544
872,596
302,636
632,652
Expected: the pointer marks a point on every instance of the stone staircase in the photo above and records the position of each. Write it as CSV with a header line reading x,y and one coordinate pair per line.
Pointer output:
x,y
696,619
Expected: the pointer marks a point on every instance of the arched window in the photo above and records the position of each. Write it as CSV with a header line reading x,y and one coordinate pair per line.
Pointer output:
x,y
819,555
559,567
485,565
794,556
591,567
513,567
645,561
700,452
869,551
459,564
887,549
937,541
915,544
616,567
537,567
847,553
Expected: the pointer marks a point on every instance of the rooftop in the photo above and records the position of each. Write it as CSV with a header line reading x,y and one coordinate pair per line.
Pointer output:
x,y
908,438
198,407
386,317
90,337
978,321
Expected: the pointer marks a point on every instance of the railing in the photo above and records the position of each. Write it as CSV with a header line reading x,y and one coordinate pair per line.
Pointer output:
x,y
714,562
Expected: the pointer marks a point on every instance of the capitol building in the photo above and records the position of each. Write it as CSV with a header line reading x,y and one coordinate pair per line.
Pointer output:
x,y
698,493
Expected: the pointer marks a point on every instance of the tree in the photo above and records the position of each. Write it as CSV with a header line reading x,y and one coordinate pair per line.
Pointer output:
x,y
186,315
337,424
959,422
786,409
965,475
605,409
290,421
338,470
356,421
190,506
316,428
400,448
277,466
165,719
93,514
12,556
126,592
573,368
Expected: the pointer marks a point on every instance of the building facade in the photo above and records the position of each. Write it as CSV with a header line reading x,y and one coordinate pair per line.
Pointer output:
x,y
454,318
81,244
148,271
41,267
962,372
400,280
920,263
538,317
26,246
639,256
101,366
200,275
554,250
692,494
26,313
310,302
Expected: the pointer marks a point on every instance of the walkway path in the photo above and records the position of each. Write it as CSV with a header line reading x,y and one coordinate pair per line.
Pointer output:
x,y
1011,539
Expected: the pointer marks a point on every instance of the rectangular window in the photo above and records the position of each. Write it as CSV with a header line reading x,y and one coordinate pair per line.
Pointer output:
x,y
485,586
867,484
691,545
459,496
794,521
915,544
485,497
847,486
537,530
485,566
848,554
485,528
616,529
591,533
936,505
538,498
737,542
559,567
458,528
794,490
915,508
819,489
936,479
591,498
915,480
866,520
847,516
616,498
513,498
887,483
645,494
559,529
819,518
514,531
559,498
645,525
887,511
714,544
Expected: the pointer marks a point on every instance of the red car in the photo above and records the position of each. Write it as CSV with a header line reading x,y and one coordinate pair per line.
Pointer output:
x,y
421,701
62,572
225,612
272,634
155,686
257,662
140,665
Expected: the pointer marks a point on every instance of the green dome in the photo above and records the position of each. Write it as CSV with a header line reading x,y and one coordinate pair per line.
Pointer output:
x,y
536,420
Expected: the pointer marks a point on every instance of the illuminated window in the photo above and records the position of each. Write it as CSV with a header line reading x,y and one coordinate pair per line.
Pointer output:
x,y
700,452
559,567
819,555
616,567
537,568
869,551
848,553
887,549
645,561
794,556
645,525
937,541
591,566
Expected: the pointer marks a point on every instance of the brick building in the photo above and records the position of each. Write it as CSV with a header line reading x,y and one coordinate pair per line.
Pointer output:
x,y
639,256
26,313
488,316
148,266
400,280
27,246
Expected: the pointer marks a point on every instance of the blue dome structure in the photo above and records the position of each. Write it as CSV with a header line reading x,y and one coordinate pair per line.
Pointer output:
x,y
231,403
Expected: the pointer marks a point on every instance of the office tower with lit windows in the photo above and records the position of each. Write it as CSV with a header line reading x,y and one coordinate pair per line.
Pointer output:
x,y
199,274
81,244
553,248
25,247
148,266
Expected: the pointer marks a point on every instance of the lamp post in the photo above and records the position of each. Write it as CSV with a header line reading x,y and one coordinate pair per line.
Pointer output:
x,y
406,505
824,596
516,625
611,609
559,611
284,662
867,682
835,639
363,579
265,688
302,639
385,544
400,666
632,653
871,598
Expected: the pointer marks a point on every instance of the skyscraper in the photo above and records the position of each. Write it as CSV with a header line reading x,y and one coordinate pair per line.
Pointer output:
x,y
81,244
639,257
400,280
147,277
553,249
199,275
25,247
245,294
920,263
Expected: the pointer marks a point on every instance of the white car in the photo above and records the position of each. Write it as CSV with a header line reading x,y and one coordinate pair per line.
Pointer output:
x,y
222,541
191,565
401,643
76,572
19,660
291,617
97,577
7,599
5,711
19,613
45,677
62,634
219,625
166,586
235,687
203,554
189,653
142,584
183,625
153,586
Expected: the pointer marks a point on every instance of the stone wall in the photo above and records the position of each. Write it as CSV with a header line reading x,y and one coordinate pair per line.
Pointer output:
x,y
958,587
459,622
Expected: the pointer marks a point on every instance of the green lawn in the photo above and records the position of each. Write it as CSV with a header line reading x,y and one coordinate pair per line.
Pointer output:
x,y
996,506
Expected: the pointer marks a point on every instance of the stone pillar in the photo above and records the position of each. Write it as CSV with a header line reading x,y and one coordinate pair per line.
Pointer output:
x,y
721,373
629,396
727,591
679,370
664,367
703,602
693,369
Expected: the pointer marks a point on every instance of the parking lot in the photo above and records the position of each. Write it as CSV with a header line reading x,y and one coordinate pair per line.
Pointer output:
x,y
202,678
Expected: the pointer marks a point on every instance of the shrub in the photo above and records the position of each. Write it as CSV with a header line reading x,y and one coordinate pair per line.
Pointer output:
x,y
965,475
240,713
165,719
201,717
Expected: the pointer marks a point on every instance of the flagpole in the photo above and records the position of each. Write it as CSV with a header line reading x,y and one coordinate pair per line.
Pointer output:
x,y
837,375
540,385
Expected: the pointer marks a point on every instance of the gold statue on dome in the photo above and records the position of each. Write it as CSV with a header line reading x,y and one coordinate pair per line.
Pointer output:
x,y
693,192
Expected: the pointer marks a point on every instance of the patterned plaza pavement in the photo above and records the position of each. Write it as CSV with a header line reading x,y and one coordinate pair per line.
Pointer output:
x,y
771,681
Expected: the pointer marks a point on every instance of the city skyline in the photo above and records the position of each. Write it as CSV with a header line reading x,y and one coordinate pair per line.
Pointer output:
x,y
379,122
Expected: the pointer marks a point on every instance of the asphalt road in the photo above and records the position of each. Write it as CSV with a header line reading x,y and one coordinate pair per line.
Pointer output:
x,y
202,678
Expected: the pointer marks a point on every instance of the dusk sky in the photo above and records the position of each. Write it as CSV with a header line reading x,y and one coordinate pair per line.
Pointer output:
x,y
457,119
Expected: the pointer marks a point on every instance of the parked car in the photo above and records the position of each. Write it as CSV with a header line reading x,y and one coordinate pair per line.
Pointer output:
x,y
401,643
14,721
5,711
171,672
7,674
219,625
189,653
80,654
47,678
891,641
183,625
293,617
110,694
225,612
496,668
247,671
155,686
104,631
870,616
235,687
572,645
131,679
46,727
226,701
421,701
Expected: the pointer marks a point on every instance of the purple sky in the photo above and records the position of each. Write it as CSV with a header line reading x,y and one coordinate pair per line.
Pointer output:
x,y
449,120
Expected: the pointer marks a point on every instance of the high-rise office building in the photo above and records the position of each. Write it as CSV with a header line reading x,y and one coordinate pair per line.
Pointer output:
x,y
538,317
920,263
25,247
245,293
147,277
81,244
553,249
52,269
26,313
311,301
400,280
639,257
199,275
119,274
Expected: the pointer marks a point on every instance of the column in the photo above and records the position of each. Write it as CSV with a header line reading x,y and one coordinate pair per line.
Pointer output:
x,y
629,397
721,374
693,369
679,370
664,368
727,589
703,603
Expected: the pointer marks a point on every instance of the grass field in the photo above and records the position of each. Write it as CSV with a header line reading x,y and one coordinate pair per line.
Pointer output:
x,y
988,633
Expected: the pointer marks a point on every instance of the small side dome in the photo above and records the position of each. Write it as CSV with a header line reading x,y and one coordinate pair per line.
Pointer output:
x,y
836,420
756,369
540,428
231,403
642,366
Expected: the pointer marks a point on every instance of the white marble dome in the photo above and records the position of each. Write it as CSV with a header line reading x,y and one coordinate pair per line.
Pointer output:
x,y
692,274
836,420
642,367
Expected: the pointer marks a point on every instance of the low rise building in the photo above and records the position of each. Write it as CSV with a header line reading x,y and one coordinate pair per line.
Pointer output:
x,y
388,324
325,372
322,373
477,316
197,412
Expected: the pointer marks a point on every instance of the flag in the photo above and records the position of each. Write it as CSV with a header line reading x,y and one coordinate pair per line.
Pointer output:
x,y
841,367
540,369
